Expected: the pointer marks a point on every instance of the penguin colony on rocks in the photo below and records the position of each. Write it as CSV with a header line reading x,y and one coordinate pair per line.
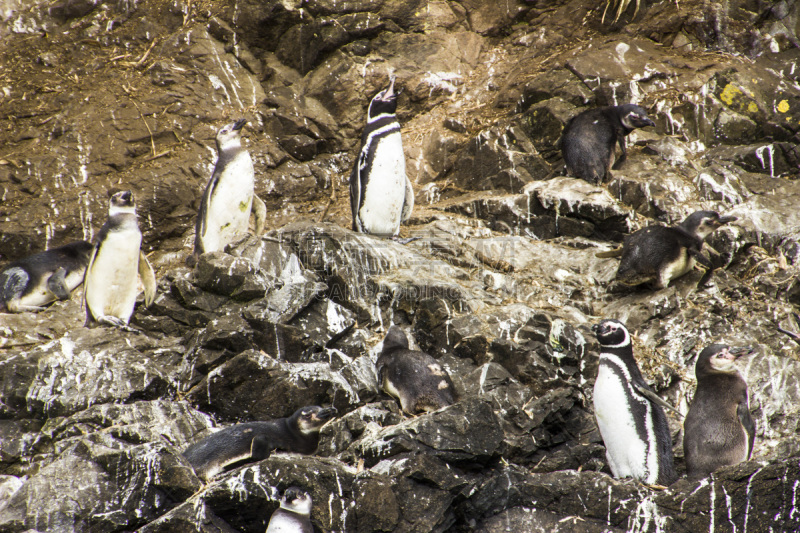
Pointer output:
x,y
719,429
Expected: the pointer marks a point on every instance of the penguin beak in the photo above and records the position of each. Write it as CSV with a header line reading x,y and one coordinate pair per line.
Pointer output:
x,y
742,351
389,93
326,413
646,121
726,219
239,124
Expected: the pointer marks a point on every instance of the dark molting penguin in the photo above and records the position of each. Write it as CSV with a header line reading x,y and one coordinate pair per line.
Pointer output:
x,y
587,143
628,413
293,516
229,196
33,282
254,441
660,254
112,277
381,196
718,430
415,378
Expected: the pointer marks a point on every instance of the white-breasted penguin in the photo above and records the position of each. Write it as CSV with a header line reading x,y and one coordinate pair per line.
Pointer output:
x,y
229,196
631,421
381,195
254,441
417,380
35,281
660,254
587,143
718,430
294,514
112,277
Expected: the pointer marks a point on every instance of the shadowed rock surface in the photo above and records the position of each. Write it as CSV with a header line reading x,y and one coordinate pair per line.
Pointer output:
x,y
500,286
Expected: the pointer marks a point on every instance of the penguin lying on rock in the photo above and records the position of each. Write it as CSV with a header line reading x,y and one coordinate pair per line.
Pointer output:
x,y
112,277
660,254
414,378
35,281
293,516
629,413
229,196
718,430
254,441
587,143
381,196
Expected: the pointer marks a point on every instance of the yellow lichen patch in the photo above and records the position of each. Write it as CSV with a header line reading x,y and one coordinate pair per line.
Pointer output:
x,y
730,93
752,107
242,206
783,106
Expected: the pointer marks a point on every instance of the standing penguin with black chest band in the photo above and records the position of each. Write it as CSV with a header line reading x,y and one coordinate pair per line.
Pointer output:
x,y
112,277
33,282
719,430
229,196
294,514
660,254
381,196
628,413
587,143
415,378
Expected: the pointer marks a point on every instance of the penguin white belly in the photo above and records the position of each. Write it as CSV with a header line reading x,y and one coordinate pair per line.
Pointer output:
x,y
228,210
286,522
385,190
42,295
114,277
628,455
677,268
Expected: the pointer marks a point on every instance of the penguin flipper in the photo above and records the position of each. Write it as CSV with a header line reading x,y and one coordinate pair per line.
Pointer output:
x,y
86,287
408,202
616,252
200,226
701,258
57,284
743,411
655,398
148,279
260,212
260,449
355,190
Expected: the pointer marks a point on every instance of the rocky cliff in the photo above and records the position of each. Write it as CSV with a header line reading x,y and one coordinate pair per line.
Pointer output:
x,y
500,286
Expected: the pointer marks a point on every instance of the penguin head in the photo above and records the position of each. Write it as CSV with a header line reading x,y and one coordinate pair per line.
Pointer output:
x,y
719,358
296,500
383,103
229,136
703,223
633,116
395,339
310,419
121,202
612,334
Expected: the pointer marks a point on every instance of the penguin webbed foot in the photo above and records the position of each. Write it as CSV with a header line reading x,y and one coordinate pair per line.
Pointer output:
x,y
705,281
117,323
15,307
405,240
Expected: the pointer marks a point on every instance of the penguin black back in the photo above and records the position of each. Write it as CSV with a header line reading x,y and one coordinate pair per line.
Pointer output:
x,y
415,378
587,143
254,441
632,423
29,283
718,430
663,253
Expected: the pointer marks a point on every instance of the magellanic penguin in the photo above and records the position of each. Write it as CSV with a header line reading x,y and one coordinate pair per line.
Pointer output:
x,y
254,441
631,421
33,282
112,277
718,430
415,378
381,196
660,254
294,514
229,196
587,143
